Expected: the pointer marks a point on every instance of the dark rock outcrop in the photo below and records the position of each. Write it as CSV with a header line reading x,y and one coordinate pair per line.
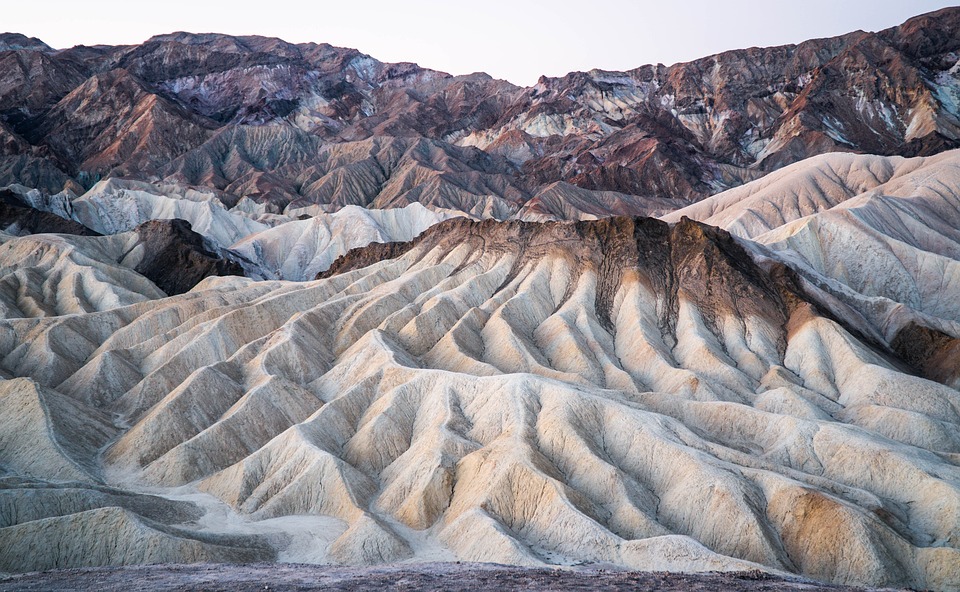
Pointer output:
x,y
703,261
929,353
19,218
175,258
363,256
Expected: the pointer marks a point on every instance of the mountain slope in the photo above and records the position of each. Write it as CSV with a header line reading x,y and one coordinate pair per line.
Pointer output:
x,y
52,275
678,132
192,234
880,234
526,382
113,123
286,167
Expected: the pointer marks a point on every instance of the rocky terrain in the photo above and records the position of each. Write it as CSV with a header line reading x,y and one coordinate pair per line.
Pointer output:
x,y
263,302
315,124
505,391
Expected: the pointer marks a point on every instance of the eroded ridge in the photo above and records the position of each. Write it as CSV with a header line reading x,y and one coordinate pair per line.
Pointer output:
x,y
621,391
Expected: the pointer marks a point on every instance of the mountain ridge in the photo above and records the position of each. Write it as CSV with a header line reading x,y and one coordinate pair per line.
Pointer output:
x,y
678,132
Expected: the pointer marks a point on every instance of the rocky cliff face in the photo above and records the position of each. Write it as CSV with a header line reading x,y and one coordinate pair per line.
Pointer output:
x,y
680,132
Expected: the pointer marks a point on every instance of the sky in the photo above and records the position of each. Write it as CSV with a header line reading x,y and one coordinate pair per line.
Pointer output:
x,y
517,40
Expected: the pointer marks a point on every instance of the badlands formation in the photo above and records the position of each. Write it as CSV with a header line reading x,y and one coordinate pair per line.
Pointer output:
x,y
622,391
263,302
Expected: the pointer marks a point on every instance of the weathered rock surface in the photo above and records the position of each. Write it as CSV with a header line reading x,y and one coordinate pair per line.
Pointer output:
x,y
527,394
248,115
879,234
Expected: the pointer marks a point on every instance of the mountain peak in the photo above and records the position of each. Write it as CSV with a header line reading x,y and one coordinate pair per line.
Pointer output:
x,y
17,41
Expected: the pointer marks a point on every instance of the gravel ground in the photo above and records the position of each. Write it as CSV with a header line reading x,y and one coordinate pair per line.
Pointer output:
x,y
436,576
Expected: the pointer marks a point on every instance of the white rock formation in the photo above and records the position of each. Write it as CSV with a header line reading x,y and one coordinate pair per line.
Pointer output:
x,y
49,274
805,188
527,395
117,205
881,234
271,245
111,536
299,249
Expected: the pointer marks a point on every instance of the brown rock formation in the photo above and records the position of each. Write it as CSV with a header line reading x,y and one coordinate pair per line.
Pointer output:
x,y
175,258
680,132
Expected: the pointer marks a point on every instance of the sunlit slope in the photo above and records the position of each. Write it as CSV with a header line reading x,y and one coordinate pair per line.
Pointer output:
x,y
880,234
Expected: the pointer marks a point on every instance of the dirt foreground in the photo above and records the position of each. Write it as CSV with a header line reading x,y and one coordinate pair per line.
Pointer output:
x,y
432,576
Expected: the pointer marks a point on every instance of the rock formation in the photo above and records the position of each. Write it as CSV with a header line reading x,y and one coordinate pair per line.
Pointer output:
x,y
573,392
273,302
248,115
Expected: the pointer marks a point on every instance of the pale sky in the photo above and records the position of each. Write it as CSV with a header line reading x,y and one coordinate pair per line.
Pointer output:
x,y
517,40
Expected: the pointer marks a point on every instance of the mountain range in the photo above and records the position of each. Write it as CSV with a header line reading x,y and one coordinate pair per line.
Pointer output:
x,y
315,124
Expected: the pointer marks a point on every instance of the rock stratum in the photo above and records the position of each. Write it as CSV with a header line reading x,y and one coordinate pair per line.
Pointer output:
x,y
262,302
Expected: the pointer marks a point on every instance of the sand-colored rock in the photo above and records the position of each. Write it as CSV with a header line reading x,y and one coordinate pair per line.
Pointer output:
x,y
877,234
112,536
24,500
46,435
300,249
619,391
